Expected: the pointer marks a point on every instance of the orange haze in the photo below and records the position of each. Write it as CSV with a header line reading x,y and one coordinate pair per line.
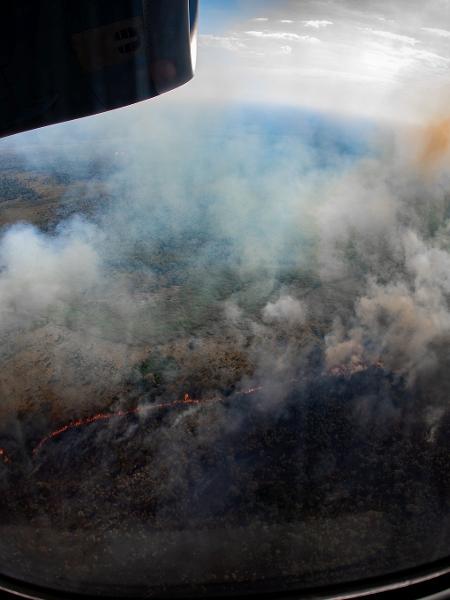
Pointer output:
x,y
435,143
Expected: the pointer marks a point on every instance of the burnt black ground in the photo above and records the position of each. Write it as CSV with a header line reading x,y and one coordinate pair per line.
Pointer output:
x,y
341,480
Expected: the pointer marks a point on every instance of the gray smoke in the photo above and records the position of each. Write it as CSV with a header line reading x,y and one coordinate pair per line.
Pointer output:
x,y
199,243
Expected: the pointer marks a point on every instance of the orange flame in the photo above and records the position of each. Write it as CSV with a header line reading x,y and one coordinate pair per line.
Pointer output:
x,y
4,456
355,366
125,413
78,423
113,415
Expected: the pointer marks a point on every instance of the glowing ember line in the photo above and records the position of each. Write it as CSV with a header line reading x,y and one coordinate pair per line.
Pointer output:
x,y
143,409
78,423
113,415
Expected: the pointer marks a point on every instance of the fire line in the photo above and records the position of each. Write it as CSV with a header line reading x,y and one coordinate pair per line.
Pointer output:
x,y
113,415
78,423
125,413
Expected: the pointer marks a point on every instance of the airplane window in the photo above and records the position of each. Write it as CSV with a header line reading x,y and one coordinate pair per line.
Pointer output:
x,y
225,318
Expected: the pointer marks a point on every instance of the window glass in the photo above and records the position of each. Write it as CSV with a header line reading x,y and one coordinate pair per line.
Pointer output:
x,y
224,314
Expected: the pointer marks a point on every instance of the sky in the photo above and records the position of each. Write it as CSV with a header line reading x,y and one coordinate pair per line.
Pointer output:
x,y
377,58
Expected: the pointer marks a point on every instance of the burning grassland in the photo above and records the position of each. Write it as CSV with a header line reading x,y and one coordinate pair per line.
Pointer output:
x,y
347,459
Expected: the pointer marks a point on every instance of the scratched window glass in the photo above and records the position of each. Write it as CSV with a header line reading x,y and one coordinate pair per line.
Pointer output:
x,y
224,314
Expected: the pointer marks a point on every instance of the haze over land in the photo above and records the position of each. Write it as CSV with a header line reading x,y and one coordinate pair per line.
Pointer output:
x,y
229,317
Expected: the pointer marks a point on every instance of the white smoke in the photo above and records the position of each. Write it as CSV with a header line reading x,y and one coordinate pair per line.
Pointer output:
x,y
372,231
390,231
285,310
39,272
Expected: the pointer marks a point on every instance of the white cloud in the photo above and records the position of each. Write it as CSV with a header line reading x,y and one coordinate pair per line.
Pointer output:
x,y
389,35
261,19
230,42
444,33
395,54
317,24
283,35
434,60
384,20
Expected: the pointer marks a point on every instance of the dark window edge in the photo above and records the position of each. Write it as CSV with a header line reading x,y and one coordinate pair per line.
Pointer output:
x,y
430,582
